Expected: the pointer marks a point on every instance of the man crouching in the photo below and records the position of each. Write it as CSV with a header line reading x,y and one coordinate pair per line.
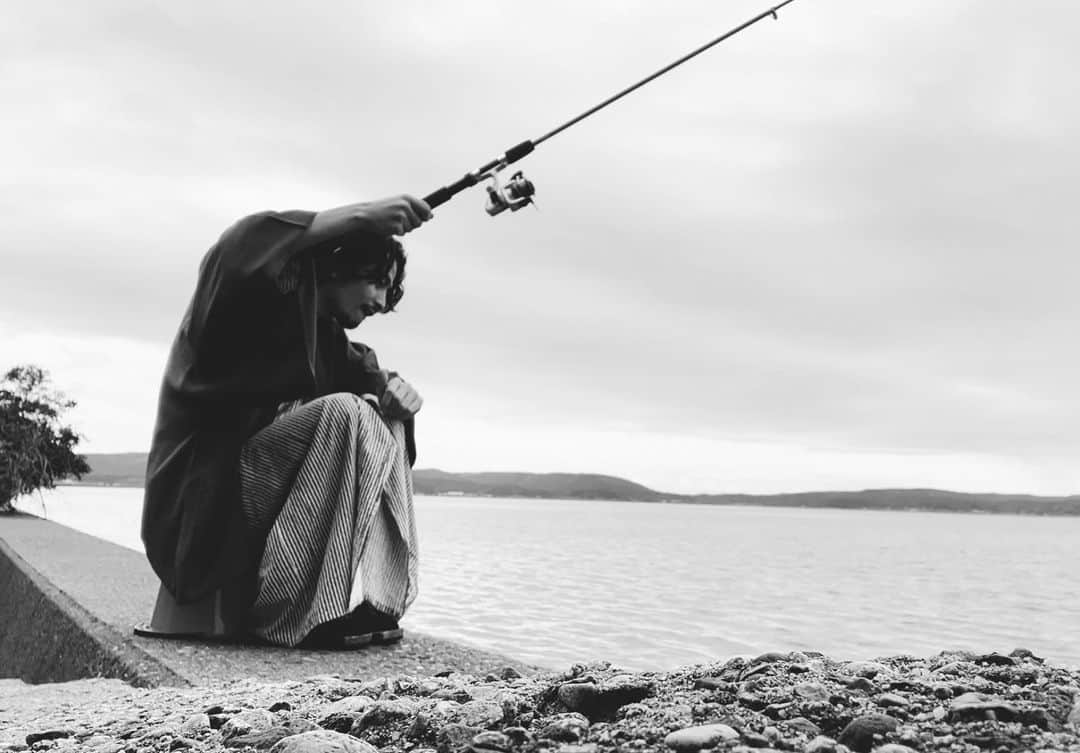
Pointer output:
x,y
279,477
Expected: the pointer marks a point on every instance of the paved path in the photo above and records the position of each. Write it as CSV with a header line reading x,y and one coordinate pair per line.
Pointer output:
x,y
117,586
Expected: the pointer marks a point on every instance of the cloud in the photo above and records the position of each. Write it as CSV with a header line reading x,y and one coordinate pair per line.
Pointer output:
x,y
848,232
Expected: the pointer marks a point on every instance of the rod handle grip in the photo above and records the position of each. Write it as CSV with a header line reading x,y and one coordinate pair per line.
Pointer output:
x,y
512,155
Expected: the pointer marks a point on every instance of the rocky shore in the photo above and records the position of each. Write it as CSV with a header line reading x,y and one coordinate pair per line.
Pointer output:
x,y
803,702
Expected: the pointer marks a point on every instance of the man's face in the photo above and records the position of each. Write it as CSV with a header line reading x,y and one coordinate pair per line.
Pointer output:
x,y
349,303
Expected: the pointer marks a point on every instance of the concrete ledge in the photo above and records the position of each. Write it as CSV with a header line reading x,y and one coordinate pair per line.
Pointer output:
x,y
69,601
45,636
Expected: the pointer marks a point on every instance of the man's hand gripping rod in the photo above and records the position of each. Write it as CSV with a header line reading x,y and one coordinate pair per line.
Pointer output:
x,y
517,191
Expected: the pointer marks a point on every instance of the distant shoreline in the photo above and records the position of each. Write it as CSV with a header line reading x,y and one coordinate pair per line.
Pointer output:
x,y
588,487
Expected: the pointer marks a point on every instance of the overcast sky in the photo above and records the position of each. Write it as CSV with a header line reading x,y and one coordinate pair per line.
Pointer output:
x,y
837,251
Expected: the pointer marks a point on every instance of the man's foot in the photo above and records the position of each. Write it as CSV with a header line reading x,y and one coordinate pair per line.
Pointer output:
x,y
379,625
336,635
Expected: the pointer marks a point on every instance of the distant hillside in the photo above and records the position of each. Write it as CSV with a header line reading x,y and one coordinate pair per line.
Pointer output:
x,y
905,499
117,469
547,485
128,469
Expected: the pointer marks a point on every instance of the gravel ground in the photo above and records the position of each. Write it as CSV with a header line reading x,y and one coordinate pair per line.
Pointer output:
x,y
956,702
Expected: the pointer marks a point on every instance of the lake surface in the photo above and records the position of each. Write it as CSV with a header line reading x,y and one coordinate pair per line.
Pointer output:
x,y
654,586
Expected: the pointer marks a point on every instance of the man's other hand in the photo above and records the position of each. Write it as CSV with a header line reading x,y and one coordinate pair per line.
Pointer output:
x,y
396,215
399,399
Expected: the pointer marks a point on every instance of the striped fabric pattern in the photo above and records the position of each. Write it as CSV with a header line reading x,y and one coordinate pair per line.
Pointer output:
x,y
329,485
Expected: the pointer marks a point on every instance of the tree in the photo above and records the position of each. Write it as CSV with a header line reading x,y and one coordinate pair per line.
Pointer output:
x,y
36,450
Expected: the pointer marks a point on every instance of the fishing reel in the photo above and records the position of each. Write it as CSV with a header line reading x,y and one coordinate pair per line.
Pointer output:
x,y
516,193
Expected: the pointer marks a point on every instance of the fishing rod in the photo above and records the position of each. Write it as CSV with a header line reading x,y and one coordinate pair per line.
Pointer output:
x,y
517,191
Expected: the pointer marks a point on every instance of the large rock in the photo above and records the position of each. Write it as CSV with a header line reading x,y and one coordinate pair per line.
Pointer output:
x,y
322,741
859,733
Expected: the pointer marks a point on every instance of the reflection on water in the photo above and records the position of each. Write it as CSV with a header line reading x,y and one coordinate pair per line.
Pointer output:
x,y
651,586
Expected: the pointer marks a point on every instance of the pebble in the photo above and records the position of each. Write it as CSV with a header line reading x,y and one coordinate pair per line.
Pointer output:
x,y
1074,715
51,734
354,704
603,700
480,714
751,700
867,669
578,695
194,725
385,712
455,737
245,722
696,738
263,739
820,744
322,741
570,728
712,683
769,657
458,695
861,683
755,740
890,699
974,707
804,725
492,740
859,732
996,659
812,691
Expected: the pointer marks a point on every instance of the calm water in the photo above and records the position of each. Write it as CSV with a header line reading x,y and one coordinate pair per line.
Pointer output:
x,y
651,586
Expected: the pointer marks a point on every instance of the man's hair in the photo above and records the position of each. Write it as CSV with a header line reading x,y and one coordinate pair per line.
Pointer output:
x,y
364,256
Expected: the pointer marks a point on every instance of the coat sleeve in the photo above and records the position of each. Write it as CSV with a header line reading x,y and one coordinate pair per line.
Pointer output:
x,y
355,367
260,246
358,371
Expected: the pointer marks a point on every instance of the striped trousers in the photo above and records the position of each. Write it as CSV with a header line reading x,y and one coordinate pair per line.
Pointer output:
x,y
329,486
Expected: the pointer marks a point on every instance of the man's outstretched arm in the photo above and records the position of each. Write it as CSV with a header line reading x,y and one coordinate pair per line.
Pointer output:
x,y
396,215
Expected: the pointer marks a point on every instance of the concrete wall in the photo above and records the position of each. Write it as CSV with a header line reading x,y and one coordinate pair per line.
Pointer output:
x,y
45,636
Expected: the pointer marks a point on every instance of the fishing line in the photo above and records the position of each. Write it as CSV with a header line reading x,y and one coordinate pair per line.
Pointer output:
x,y
517,191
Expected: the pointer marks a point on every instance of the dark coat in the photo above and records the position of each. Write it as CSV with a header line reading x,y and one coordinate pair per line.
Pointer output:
x,y
251,339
